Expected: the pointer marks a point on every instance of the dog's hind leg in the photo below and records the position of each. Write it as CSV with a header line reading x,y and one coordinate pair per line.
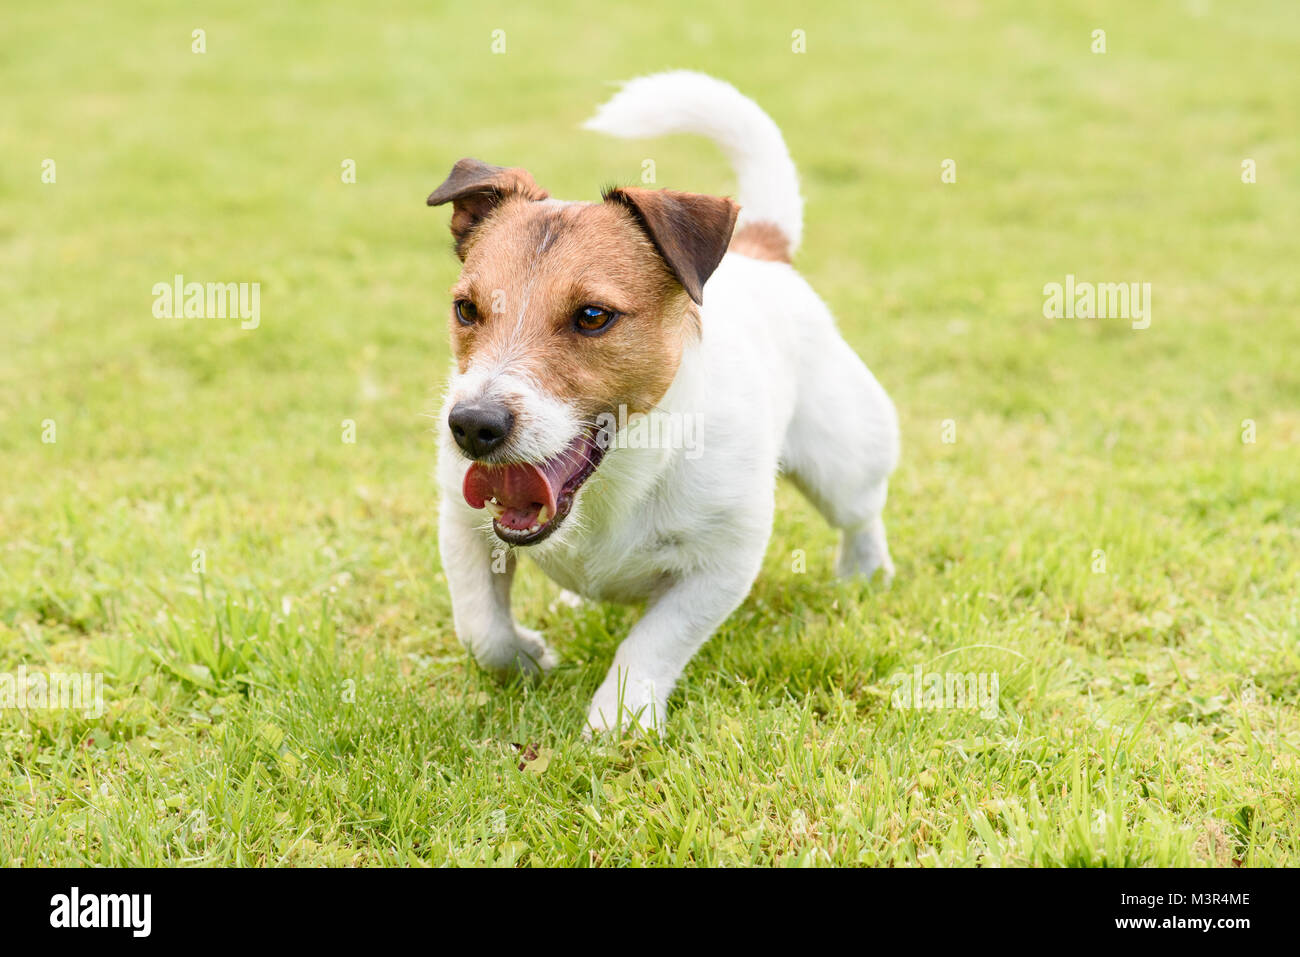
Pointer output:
x,y
841,446
857,513
865,551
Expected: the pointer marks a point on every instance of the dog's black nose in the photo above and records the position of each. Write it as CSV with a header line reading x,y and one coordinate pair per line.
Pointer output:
x,y
479,427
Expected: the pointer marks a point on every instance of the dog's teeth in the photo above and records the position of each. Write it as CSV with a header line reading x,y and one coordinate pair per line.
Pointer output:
x,y
543,516
534,528
495,507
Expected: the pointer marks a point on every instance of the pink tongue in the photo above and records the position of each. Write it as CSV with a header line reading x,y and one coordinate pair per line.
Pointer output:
x,y
522,489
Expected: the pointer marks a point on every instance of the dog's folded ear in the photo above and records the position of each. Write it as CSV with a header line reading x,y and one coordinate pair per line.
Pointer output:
x,y
690,230
475,188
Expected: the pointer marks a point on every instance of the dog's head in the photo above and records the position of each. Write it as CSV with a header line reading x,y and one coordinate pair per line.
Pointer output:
x,y
563,313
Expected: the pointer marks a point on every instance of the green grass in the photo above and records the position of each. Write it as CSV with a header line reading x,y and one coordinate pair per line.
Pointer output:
x,y
305,700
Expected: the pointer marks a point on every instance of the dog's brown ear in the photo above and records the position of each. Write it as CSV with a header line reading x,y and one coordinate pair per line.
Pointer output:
x,y
690,230
474,189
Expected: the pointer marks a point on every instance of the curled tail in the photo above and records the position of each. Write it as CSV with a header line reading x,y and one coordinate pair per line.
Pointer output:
x,y
686,102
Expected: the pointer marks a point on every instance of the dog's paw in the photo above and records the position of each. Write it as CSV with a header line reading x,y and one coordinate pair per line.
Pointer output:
x,y
625,705
865,552
524,652
534,657
883,572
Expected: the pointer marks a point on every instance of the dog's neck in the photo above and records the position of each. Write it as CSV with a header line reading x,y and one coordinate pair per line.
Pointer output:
x,y
630,474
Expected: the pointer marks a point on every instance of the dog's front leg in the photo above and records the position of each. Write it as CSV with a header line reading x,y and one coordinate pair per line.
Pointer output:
x,y
653,656
479,578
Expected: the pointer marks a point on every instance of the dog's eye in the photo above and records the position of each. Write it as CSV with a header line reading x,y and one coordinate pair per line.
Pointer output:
x,y
592,320
466,312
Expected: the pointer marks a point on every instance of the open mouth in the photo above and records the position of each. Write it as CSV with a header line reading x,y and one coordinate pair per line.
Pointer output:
x,y
528,501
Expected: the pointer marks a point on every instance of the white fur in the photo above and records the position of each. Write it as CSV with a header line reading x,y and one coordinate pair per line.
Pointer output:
x,y
778,389
687,102
544,424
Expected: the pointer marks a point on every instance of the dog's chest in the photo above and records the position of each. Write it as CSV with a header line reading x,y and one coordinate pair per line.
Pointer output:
x,y
630,560
624,554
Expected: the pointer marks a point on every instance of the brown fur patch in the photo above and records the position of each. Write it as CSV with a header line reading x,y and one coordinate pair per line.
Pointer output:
x,y
761,240
531,265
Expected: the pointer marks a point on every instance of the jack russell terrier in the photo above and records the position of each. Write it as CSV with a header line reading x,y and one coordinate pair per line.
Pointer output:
x,y
572,320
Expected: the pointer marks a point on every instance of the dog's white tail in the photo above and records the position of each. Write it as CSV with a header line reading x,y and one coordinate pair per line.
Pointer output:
x,y
686,102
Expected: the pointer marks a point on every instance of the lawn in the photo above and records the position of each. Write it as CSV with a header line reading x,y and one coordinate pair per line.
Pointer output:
x,y
1107,519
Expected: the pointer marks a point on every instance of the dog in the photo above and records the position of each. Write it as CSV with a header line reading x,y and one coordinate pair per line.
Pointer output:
x,y
573,321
